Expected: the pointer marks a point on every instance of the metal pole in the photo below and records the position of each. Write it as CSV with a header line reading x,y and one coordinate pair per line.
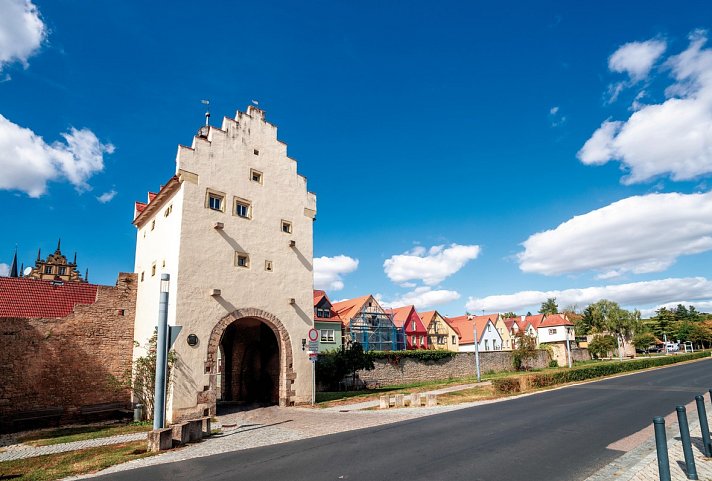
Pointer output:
x,y
568,347
686,443
477,354
159,398
704,427
661,447
313,381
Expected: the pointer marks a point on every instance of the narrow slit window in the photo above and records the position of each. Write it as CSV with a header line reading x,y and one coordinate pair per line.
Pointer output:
x,y
242,260
268,266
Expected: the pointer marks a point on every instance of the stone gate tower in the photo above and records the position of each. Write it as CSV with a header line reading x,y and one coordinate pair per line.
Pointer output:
x,y
233,228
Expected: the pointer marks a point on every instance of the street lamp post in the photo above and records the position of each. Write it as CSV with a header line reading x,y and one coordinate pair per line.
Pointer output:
x,y
477,354
568,347
159,398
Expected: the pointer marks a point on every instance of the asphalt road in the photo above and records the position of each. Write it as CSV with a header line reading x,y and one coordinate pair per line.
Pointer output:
x,y
555,435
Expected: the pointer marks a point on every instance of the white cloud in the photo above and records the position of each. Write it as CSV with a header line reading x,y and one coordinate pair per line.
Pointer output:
x,y
329,270
636,294
555,116
636,58
21,31
4,270
638,234
27,162
107,196
431,266
421,297
673,137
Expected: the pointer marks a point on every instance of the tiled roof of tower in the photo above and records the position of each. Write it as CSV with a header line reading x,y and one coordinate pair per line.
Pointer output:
x,y
25,297
155,201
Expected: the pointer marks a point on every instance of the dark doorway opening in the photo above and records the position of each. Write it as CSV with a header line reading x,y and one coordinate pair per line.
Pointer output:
x,y
249,364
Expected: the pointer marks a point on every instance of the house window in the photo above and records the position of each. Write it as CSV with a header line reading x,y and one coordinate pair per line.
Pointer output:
x,y
168,211
453,340
323,313
61,271
242,260
48,270
286,227
489,327
243,208
256,176
412,340
420,340
215,200
412,326
552,331
327,335
153,224
486,344
268,266
153,269
256,152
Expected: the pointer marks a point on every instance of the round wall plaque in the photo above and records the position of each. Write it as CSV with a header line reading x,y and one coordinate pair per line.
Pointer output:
x,y
192,340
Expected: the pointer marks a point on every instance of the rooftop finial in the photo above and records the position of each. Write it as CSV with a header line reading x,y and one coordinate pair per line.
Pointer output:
x,y
75,258
207,111
38,254
59,242
86,275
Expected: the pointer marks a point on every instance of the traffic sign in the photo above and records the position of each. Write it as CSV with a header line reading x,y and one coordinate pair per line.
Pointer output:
x,y
313,346
313,335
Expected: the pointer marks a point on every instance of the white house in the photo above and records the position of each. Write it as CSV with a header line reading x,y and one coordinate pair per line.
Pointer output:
x,y
554,330
233,228
488,338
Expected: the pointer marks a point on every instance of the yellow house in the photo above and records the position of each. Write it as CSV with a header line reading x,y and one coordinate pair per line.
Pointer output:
x,y
501,327
441,335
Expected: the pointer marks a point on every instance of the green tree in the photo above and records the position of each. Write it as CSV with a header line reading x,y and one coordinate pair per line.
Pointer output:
x,y
332,367
643,340
608,316
509,315
549,306
601,345
524,350
662,322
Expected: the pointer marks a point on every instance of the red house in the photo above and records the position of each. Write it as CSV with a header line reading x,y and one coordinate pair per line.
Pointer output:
x,y
406,319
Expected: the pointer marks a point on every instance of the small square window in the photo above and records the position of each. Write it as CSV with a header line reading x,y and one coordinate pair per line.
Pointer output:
x,y
256,176
48,269
256,152
242,260
243,208
286,227
268,266
215,201
61,271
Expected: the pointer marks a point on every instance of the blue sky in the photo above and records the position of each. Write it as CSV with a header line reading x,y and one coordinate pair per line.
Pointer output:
x,y
419,126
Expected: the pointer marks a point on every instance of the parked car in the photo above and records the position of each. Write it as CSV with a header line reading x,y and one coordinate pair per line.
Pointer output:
x,y
672,347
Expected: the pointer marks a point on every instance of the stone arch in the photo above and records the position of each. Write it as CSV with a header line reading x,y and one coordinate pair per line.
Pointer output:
x,y
286,370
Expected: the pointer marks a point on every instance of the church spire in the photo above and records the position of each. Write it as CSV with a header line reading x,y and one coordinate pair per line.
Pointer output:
x,y
39,254
59,241
75,258
13,267
86,275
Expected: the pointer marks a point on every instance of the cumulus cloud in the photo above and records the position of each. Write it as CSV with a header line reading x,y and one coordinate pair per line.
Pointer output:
x,y
4,269
421,297
638,234
636,58
27,162
107,196
636,294
673,137
329,270
431,266
21,31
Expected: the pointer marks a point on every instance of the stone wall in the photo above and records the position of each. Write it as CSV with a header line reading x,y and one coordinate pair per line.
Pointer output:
x,y
67,362
462,364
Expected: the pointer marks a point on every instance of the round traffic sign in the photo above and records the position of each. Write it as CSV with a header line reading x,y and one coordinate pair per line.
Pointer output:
x,y
313,335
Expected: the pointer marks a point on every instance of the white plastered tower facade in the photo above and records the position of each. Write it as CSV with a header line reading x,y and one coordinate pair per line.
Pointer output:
x,y
234,229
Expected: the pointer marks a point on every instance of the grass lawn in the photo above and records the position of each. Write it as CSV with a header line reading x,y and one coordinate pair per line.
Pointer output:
x,y
68,434
479,393
56,466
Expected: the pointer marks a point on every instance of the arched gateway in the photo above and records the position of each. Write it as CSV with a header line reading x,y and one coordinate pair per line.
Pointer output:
x,y
256,357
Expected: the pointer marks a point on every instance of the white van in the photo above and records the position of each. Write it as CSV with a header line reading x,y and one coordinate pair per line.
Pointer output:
x,y
672,347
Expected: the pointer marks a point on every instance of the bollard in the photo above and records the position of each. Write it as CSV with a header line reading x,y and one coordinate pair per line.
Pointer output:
x,y
383,402
686,443
704,427
661,447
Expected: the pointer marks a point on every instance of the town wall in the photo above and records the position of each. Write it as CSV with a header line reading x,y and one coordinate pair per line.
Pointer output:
x,y
68,362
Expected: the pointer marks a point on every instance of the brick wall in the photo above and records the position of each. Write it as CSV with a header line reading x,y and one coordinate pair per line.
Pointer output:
x,y
460,365
66,362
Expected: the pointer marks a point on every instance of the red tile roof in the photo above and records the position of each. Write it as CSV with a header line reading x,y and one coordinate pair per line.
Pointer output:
x,y
555,320
427,317
465,324
140,206
350,307
318,296
25,297
401,314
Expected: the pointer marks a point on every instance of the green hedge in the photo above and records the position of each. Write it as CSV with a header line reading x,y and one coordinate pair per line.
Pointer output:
x,y
546,379
422,355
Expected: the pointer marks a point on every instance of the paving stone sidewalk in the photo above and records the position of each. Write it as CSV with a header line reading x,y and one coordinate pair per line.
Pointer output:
x,y
641,463
22,451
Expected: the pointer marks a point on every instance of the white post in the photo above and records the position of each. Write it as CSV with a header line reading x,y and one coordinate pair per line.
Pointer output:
x,y
159,396
477,354
568,347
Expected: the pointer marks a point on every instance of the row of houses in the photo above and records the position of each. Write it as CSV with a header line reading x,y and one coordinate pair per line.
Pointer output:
x,y
376,328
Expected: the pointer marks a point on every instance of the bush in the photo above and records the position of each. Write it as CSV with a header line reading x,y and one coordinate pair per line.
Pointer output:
x,y
506,385
422,355
553,363
331,367
600,346
547,379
